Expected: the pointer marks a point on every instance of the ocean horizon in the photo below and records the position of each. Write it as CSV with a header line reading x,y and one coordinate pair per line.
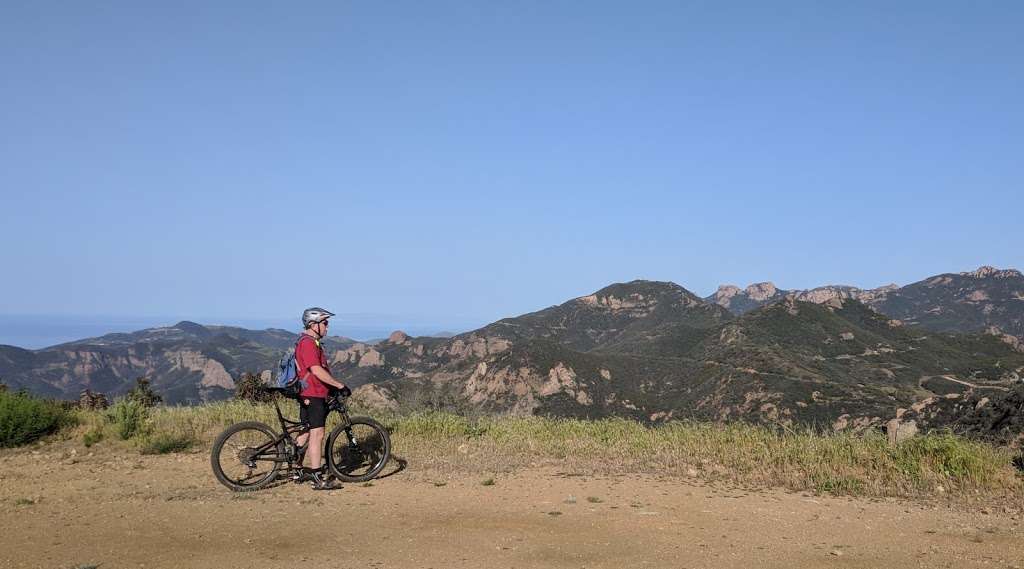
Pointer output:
x,y
34,332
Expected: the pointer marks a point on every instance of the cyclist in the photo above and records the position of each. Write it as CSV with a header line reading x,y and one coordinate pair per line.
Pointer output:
x,y
316,373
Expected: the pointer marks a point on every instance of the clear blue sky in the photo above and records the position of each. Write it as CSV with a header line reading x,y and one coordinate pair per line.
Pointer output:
x,y
466,161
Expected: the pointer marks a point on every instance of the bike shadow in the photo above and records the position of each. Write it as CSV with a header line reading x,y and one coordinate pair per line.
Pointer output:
x,y
396,465
400,465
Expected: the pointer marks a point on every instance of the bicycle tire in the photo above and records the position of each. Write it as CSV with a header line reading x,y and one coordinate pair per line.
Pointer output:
x,y
347,463
236,485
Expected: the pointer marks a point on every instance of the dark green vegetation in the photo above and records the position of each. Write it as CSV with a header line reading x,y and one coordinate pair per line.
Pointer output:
x,y
654,352
128,417
995,415
24,418
167,442
961,302
143,393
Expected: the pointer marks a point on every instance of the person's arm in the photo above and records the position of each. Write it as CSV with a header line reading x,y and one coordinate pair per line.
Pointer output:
x,y
325,376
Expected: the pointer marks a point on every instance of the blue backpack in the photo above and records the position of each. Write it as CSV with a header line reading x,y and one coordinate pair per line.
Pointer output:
x,y
288,372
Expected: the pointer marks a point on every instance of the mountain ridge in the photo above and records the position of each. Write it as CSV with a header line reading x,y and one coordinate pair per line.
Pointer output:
x,y
969,301
649,350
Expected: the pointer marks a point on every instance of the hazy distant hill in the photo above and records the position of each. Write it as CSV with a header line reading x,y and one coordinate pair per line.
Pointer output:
x,y
187,362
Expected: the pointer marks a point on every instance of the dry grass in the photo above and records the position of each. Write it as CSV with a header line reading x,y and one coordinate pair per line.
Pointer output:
x,y
755,456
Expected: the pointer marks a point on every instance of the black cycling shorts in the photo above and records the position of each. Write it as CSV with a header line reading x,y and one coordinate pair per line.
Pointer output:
x,y
313,411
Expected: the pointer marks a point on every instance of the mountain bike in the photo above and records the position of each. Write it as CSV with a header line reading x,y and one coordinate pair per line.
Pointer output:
x,y
250,455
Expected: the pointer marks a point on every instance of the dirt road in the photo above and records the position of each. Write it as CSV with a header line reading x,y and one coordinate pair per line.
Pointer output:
x,y
125,510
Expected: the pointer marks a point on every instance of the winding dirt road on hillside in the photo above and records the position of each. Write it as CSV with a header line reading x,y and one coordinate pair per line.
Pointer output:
x,y
118,509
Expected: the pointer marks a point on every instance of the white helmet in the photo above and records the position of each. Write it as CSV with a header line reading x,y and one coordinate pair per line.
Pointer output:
x,y
315,314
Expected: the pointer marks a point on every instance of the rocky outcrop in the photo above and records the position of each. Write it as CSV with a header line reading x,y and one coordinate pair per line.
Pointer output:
x,y
477,346
824,294
371,358
725,293
375,397
211,371
92,401
636,304
899,431
760,292
740,301
1013,341
986,271
398,337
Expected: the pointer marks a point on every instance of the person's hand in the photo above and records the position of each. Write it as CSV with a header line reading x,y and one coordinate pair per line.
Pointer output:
x,y
344,391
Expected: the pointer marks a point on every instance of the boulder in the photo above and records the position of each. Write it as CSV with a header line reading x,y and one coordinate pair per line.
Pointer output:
x,y
398,337
899,431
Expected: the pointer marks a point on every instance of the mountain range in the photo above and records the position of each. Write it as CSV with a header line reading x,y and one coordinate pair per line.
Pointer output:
x,y
186,363
986,299
837,356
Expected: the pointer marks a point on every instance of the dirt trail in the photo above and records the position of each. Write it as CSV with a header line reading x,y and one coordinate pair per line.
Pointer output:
x,y
125,510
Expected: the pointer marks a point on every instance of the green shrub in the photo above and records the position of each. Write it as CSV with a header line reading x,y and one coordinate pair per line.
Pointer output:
x,y
250,387
24,418
165,442
129,417
143,393
92,437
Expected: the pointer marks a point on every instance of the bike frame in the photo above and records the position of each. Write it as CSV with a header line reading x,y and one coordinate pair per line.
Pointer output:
x,y
290,430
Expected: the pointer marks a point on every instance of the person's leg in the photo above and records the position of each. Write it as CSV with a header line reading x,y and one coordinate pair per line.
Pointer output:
x,y
317,413
303,418
316,447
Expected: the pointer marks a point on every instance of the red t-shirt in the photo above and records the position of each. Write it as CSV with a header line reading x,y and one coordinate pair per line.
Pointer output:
x,y
308,353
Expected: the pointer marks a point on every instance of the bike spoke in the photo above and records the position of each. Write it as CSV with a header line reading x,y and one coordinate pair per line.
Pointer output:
x,y
360,452
244,457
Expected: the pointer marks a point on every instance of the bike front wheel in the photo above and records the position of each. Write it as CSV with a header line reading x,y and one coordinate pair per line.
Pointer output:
x,y
357,452
246,456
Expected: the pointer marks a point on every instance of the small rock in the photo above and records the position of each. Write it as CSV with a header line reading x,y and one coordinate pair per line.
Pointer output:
x,y
837,553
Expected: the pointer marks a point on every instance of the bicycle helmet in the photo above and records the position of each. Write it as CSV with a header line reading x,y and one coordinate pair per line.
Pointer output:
x,y
315,314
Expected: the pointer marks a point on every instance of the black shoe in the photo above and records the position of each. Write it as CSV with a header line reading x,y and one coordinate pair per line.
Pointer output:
x,y
304,475
318,480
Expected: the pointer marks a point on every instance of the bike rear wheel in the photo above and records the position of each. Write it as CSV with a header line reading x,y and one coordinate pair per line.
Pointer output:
x,y
359,451
245,456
